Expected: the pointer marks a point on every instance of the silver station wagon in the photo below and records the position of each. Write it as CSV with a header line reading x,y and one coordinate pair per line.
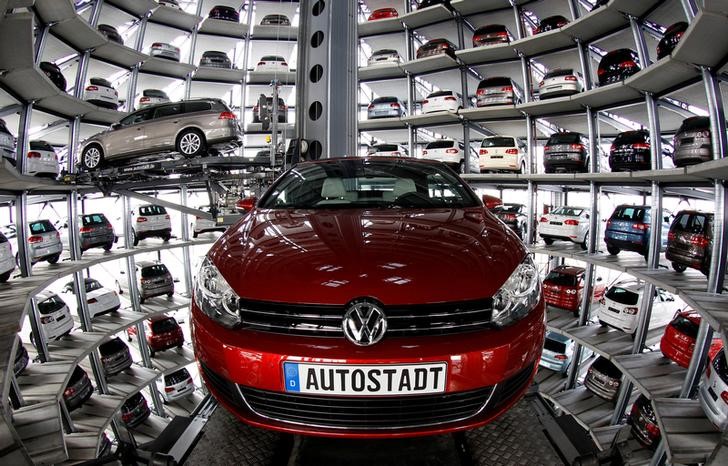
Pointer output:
x,y
190,127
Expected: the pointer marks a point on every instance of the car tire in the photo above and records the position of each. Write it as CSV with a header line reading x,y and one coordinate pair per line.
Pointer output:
x,y
602,323
548,241
92,157
108,246
141,300
522,170
54,258
134,238
461,167
585,244
166,237
191,143
4,277
170,294
679,268
151,353
613,250
195,234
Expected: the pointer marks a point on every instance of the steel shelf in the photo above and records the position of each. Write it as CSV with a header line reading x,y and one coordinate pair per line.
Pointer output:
x,y
431,119
82,446
168,68
588,409
381,72
688,435
426,16
175,18
266,77
560,320
653,374
96,413
471,7
137,8
219,27
131,381
382,123
184,406
609,342
431,64
274,32
118,54
45,382
150,429
39,427
232,76
380,26
55,11
693,48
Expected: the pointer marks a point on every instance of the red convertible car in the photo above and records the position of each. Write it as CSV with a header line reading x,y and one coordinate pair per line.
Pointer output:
x,y
368,297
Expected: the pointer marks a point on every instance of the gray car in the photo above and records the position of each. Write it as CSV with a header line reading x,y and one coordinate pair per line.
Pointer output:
x,y
496,91
190,127
386,107
154,279
692,142
215,59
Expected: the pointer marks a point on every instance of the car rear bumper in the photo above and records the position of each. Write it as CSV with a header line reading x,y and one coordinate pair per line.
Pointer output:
x,y
7,264
149,292
165,343
598,389
716,413
688,154
117,365
618,321
676,351
506,162
44,252
88,242
627,241
571,162
683,257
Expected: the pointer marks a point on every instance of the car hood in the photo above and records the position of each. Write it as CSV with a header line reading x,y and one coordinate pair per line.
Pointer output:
x,y
396,256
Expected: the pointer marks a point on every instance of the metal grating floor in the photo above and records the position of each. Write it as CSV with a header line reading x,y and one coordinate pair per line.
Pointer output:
x,y
514,439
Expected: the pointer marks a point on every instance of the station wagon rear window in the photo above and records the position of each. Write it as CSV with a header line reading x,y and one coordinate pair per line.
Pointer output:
x,y
498,142
622,296
570,211
152,210
561,279
154,271
629,213
555,346
93,219
42,226
565,138
50,305
164,325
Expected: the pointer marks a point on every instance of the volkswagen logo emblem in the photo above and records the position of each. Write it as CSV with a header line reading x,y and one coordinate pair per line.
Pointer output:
x,y
364,322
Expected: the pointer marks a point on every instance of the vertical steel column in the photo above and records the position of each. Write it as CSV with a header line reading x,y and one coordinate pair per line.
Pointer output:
x,y
21,229
689,8
639,40
193,49
527,79
186,237
134,78
40,41
520,33
574,10
464,91
584,64
244,82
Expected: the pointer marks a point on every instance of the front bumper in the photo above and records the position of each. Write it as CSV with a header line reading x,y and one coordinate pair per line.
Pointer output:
x,y
238,362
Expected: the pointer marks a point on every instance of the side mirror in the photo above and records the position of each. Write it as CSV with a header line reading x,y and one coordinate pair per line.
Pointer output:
x,y
115,126
122,272
246,204
587,215
599,279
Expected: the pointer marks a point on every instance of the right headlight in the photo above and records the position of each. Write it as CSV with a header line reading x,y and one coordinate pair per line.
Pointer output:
x,y
215,297
518,296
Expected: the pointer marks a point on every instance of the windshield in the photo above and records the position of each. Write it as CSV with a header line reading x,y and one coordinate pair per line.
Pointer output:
x,y
164,325
92,285
562,279
570,211
622,296
498,142
366,183
154,271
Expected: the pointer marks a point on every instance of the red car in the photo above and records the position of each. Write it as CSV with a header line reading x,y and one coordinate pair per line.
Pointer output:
x,y
678,342
383,13
327,311
563,287
644,422
162,333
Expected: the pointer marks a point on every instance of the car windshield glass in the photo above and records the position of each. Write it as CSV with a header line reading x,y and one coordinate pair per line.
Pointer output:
x,y
498,142
495,82
690,223
356,183
382,100
440,145
164,325
51,304
695,123
605,366
385,148
154,271
561,279
565,138
569,211
622,296
440,94
92,285
509,208
386,52
557,73
40,145
629,213
93,219
272,58
152,210
685,326
555,346
41,226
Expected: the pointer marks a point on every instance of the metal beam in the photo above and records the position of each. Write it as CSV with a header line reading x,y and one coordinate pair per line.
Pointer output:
x,y
162,202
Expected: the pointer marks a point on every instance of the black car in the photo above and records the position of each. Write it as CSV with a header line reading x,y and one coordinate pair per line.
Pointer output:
x,y
551,23
115,356
630,151
54,74
644,422
262,157
603,379
216,59
566,152
672,37
21,358
429,3
513,215
618,65
282,110
110,33
225,13
437,47
275,20
135,410
78,390
490,35
690,241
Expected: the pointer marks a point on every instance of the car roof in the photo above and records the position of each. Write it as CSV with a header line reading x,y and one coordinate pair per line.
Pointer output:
x,y
147,263
45,294
630,285
557,337
568,270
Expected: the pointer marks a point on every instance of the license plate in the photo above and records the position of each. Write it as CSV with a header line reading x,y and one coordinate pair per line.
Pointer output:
x,y
365,380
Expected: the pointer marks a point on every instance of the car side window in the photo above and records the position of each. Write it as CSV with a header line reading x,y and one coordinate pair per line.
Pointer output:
x,y
196,107
136,118
167,110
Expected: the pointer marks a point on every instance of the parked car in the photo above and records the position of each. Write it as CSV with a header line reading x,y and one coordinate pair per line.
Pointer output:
x,y
560,82
376,203
622,302
502,153
176,385
7,258
170,3
166,51
439,101
216,59
565,224
225,13
204,225
558,352
388,150
95,231
603,379
491,202
550,23
55,317
630,151
78,390
110,33
428,3
628,228
383,13
678,341
693,142
275,20
190,127
671,38
272,63
152,97
44,242
54,74
7,142
386,107
563,287
690,241
713,391
102,93
384,57
566,152
115,356
644,422
135,410
153,279
21,357
491,34
451,153
617,65
496,91
41,160
513,215
151,221
437,47
100,300
282,110
162,333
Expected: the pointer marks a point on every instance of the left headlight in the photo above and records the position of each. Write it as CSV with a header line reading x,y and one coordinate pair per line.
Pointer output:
x,y
215,297
518,296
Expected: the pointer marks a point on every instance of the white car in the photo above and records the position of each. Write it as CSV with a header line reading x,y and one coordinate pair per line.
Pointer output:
x,y
102,93
7,259
151,221
100,300
502,153
272,63
176,385
620,306
42,160
565,224
204,225
384,57
44,241
448,101
451,153
7,141
713,392
560,82
55,317
166,51
388,150
152,97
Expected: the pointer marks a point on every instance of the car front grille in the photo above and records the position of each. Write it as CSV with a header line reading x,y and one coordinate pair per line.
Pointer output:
x,y
402,321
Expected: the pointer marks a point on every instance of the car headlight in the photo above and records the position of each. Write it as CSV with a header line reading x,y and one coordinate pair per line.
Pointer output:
x,y
518,296
215,297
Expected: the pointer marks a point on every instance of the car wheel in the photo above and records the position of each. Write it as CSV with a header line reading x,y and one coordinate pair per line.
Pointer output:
x,y
151,352
522,170
141,300
92,157
134,238
679,268
166,237
54,259
585,244
602,323
548,241
108,246
613,250
191,143
461,167
4,277
170,294
195,234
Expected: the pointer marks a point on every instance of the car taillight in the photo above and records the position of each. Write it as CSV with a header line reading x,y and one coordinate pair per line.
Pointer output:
x,y
92,88
704,134
641,145
145,281
442,46
632,311
166,217
69,392
126,417
396,154
255,109
707,368
509,217
284,63
724,395
226,116
570,78
571,222
425,101
602,301
627,64
451,151
543,220
512,151
577,146
156,44
652,429
547,148
261,63
640,226
671,236
507,89
46,319
480,92
609,224
424,152
483,152
561,357
451,98
371,106
699,240
144,99
394,105
189,381
85,229
35,239
33,155
168,389
141,219
540,84
58,235
92,301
